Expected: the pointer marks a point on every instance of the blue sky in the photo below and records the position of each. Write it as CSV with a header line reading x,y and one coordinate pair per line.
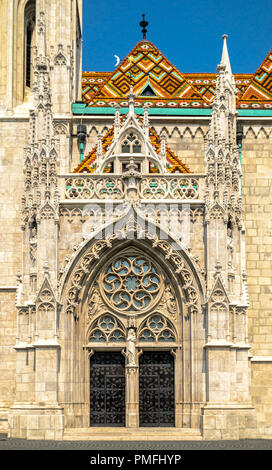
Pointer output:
x,y
188,33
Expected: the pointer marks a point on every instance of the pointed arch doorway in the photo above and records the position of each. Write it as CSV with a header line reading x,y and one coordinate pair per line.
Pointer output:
x,y
134,302
135,326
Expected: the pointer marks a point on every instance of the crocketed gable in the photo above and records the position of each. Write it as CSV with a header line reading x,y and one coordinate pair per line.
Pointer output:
x,y
88,165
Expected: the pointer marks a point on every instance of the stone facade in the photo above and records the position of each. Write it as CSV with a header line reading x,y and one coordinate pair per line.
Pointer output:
x,y
257,203
128,262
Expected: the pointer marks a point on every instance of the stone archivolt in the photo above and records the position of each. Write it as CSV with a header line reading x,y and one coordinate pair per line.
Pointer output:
x,y
83,267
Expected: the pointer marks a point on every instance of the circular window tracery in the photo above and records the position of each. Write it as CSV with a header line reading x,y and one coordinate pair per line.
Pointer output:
x,y
131,283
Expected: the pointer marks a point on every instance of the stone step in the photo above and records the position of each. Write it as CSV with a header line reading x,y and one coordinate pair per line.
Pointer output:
x,y
131,434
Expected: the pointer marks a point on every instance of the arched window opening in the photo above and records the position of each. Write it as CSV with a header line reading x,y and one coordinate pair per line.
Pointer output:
x,y
30,18
131,144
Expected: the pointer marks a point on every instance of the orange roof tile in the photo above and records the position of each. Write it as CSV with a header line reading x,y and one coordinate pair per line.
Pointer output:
x,y
146,66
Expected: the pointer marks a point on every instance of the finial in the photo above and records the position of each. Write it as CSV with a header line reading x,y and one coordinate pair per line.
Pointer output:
x,y
218,268
46,269
146,120
117,119
143,25
225,55
131,97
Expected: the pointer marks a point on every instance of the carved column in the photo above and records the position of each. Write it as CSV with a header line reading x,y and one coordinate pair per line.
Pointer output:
x,y
132,381
132,396
178,387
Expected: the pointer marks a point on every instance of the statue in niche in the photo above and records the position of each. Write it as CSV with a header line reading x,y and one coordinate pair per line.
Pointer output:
x,y
229,243
131,347
34,232
168,302
33,229
33,241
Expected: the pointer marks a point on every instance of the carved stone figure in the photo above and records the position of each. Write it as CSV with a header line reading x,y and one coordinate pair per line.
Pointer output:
x,y
170,302
95,302
131,347
230,246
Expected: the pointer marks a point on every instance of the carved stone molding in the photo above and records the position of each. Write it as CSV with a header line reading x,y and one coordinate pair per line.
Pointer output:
x,y
60,128
85,264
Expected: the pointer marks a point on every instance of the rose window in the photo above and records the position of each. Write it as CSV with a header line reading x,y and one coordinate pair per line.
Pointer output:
x,y
131,283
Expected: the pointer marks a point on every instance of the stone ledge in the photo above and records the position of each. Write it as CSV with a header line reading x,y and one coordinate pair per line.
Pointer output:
x,y
8,289
226,344
228,407
38,344
261,359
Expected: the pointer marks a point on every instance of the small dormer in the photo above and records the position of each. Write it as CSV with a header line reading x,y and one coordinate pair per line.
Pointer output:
x,y
131,139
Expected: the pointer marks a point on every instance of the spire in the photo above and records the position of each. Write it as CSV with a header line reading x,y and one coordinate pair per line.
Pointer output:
x,y
221,154
223,125
225,55
225,62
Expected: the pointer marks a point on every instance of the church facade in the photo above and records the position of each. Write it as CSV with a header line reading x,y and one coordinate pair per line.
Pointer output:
x,y
135,285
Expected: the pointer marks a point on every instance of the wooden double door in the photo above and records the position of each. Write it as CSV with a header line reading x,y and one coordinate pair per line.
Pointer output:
x,y
108,389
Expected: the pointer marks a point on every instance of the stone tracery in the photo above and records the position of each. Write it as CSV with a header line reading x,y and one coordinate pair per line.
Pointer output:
x,y
157,328
106,329
131,283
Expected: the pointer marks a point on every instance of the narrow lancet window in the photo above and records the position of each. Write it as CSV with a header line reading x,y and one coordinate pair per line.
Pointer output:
x,y
29,34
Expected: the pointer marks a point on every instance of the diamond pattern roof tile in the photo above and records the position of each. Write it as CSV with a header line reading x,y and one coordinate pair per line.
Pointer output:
x,y
146,65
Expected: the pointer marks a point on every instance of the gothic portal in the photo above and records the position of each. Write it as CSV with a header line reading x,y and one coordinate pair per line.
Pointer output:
x,y
136,277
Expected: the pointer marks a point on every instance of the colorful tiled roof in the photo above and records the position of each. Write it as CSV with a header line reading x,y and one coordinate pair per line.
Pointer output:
x,y
260,86
205,83
146,68
92,82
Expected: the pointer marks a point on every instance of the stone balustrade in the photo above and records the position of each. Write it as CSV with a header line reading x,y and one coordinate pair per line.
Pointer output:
x,y
148,187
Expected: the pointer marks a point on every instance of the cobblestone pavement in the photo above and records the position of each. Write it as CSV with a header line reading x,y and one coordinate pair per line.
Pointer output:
x,y
23,444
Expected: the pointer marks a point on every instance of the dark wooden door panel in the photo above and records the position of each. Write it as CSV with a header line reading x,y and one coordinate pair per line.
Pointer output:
x,y
156,389
107,389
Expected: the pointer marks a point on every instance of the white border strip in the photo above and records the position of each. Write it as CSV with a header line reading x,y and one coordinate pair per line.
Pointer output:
x,y
261,359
